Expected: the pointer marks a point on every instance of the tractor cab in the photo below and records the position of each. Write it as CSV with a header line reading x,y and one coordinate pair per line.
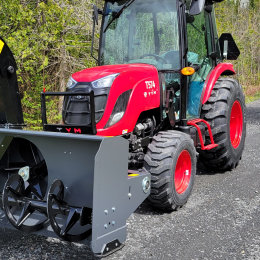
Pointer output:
x,y
165,35
154,58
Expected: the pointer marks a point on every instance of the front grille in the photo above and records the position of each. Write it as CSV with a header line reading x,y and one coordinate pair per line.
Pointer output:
x,y
100,103
76,110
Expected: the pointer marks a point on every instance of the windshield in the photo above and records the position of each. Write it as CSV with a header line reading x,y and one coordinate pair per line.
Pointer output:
x,y
144,32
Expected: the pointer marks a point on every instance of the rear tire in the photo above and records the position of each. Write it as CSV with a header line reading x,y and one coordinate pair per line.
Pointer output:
x,y
226,113
171,160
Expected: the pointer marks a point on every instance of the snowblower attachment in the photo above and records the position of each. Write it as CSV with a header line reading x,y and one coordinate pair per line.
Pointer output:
x,y
70,186
62,184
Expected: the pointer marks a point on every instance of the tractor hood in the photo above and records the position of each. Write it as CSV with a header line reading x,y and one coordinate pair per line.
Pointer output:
x,y
92,74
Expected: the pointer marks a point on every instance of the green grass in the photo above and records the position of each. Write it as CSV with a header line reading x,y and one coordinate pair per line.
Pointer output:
x,y
252,98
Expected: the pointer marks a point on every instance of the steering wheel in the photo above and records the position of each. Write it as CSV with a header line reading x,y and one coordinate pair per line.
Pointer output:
x,y
155,56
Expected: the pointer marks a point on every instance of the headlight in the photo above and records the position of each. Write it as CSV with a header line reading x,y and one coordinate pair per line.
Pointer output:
x,y
116,118
71,83
105,82
119,109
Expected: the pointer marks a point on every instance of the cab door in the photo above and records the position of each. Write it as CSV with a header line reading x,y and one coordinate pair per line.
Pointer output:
x,y
199,36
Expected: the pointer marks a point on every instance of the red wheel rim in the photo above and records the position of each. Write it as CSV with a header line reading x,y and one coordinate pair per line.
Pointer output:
x,y
236,124
182,172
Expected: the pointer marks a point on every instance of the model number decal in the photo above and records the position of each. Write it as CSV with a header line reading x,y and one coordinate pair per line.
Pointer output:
x,y
149,86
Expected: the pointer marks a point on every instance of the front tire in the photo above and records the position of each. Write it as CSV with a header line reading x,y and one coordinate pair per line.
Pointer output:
x,y
171,160
226,113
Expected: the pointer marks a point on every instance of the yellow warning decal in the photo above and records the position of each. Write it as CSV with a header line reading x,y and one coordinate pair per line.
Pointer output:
x,y
1,46
133,175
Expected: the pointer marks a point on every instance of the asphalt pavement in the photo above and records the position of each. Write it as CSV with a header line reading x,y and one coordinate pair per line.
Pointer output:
x,y
220,221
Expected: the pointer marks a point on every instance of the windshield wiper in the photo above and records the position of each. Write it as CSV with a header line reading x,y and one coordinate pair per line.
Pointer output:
x,y
119,13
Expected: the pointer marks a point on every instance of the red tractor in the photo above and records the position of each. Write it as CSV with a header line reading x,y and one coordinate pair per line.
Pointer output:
x,y
161,89
159,85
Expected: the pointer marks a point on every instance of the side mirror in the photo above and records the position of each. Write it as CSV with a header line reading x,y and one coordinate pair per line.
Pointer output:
x,y
228,47
95,14
196,7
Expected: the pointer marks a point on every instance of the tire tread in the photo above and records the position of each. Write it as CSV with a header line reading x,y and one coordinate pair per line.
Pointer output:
x,y
159,162
215,112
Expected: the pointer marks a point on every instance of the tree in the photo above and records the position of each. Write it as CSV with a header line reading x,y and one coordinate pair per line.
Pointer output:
x,y
50,39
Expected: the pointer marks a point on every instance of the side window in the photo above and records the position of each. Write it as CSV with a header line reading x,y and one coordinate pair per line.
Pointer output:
x,y
197,41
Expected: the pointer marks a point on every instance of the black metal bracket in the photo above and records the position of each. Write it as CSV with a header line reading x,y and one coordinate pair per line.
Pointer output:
x,y
80,129
169,108
110,248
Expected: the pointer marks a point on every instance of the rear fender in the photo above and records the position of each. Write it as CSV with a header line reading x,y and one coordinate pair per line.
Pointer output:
x,y
220,69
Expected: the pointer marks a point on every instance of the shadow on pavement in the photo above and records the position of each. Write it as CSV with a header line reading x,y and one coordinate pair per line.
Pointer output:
x,y
146,209
13,242
203,170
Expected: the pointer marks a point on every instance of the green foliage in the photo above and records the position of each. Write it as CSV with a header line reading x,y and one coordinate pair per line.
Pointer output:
x,y
242,21
50,40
